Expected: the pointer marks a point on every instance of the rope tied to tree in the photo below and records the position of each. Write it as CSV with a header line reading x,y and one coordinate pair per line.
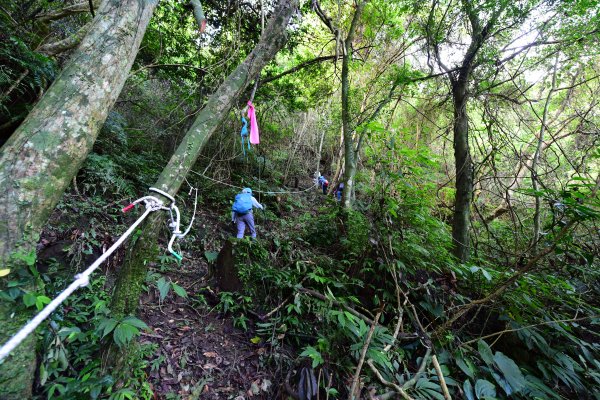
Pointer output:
x,y
81,280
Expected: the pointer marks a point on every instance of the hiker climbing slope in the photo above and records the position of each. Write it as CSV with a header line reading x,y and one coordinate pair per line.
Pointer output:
x,y
323,183
339,191
241,212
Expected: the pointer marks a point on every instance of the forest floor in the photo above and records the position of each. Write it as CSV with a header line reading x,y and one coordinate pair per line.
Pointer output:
x,y
199,352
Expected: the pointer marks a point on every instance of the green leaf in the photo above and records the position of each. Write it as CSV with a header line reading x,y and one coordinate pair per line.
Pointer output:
x,y
313,354
486,352
43,374
4,272
28,258
163,287
486,274
123,334
211,256
502,383
484,388
107,325
40,301
511,371
29,299
466,368
468,389
138,323
179,290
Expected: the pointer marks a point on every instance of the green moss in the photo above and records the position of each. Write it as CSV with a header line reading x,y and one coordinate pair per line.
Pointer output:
x,y
17,371
131,277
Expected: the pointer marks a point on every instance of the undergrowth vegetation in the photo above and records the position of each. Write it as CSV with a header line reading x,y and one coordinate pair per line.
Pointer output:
x,y
367,301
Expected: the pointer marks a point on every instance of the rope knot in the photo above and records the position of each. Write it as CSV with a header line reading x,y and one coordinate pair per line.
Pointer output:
x,y
84,280
153,205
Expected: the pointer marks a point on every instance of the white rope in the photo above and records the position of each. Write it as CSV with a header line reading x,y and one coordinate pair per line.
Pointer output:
x,y
254,191
82,280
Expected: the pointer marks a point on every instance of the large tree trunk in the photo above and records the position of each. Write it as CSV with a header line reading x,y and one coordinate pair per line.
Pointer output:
x,y
42,156
464,172
349,154
133,272
462,155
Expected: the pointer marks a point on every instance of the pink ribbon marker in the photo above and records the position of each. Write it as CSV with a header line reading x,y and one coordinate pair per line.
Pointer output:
x,y
254,138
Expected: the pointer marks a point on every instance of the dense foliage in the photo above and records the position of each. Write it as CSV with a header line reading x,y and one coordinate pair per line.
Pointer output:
x,y
369,297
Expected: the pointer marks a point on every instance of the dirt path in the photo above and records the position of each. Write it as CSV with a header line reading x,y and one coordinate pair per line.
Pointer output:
x,y
200,354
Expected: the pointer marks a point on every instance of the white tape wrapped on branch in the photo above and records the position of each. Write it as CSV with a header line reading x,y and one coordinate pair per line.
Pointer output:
x,y
82,280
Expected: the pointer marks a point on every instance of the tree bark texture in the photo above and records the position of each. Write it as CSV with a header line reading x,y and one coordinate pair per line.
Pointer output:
x,y
464,172
131,276
41,158
462,154
349,156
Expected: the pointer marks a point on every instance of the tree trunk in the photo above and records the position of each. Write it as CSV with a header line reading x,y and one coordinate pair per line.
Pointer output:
x,y
349,156
41,158
462,154
534,164
133,272
339,166
464,172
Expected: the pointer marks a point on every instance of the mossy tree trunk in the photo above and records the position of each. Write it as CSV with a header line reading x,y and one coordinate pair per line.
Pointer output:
x,y
133,272
459,81
40,159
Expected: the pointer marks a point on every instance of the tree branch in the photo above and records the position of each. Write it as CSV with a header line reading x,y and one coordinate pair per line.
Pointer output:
x,y
508,283
363,354
298,67
78,8
67,43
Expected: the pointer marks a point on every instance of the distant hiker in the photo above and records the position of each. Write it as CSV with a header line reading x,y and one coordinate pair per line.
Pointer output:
x,y
241,212
339,191
323,183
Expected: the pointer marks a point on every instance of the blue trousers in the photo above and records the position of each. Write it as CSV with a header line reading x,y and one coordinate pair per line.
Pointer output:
x,y
242,221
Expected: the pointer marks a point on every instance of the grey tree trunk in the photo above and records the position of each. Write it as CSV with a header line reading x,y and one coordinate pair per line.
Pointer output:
x,y
132,274
349,154
40,159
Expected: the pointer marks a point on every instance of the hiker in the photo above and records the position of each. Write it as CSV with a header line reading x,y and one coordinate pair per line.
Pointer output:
x,y
241,212
339,191
323,183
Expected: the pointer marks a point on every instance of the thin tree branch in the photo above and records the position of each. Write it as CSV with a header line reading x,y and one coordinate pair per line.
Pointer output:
x,y
440,375
508,283
363,354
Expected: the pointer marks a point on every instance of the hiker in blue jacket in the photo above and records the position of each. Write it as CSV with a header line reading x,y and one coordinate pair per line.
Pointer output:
x,y
323,183
339,191
241,212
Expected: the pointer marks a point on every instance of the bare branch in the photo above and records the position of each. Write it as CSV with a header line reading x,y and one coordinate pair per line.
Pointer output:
x,y
78,8
363,354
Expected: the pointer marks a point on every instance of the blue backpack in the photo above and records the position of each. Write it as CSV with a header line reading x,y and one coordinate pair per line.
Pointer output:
x,y
242,204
